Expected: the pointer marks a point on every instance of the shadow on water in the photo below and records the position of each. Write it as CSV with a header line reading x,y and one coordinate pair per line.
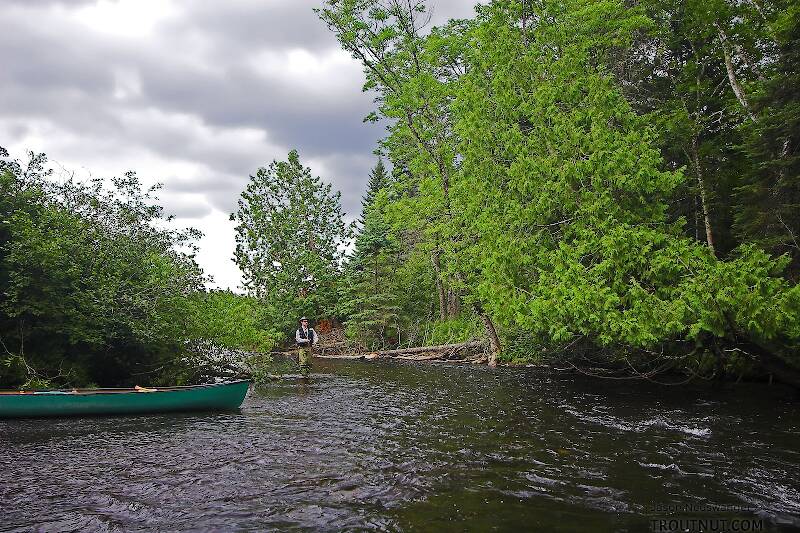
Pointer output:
x,y
398,446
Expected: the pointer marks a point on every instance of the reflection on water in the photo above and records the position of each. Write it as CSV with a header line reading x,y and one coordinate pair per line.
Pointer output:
x,y
392,446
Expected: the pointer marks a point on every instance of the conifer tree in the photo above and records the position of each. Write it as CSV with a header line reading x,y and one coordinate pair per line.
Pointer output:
x,y
378,179
768,207
371,297
289,235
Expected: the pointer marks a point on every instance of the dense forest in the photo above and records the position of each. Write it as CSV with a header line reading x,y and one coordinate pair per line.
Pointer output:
x,y
601,183
592,184
96,289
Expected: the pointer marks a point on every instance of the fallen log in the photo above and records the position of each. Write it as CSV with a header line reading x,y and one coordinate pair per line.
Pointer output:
x,y
418,357
427,352
437,348
342,356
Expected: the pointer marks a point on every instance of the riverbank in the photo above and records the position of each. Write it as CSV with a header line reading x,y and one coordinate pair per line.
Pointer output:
x,y
477,352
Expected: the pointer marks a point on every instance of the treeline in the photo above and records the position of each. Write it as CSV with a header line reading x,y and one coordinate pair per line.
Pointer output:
x,y
592,182
583,182
95,288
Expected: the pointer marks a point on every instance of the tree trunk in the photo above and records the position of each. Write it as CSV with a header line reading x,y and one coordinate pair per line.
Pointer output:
x,y
732,80
698,170
425,349
491,333
696,220
437,267
453,303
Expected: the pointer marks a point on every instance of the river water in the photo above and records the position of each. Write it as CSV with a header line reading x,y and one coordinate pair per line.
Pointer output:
x,y
407,447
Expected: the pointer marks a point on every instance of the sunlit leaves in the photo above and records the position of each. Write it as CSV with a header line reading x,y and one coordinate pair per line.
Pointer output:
x,y
290,236
94,283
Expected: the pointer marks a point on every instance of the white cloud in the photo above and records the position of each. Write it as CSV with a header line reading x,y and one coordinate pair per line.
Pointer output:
x,y
124,18
216,249
326,73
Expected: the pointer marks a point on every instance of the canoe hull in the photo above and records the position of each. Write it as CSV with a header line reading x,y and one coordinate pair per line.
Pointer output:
x,y
213,397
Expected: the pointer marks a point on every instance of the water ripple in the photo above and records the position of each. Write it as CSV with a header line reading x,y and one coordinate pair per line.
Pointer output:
x,y
393,446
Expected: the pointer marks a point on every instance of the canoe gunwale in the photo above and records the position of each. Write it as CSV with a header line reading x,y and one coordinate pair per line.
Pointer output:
x,y
209,397
121,390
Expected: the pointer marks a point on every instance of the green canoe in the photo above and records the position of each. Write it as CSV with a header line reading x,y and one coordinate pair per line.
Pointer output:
x,y
76,402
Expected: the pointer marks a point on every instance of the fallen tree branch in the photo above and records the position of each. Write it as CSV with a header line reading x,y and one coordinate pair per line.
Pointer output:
x,y
429,352
418,357
340,356
437,348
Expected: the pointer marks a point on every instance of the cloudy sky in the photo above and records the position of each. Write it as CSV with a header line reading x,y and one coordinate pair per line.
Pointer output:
x,y
195,94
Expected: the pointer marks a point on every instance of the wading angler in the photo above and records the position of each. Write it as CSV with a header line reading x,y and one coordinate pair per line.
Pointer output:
x,y
306,338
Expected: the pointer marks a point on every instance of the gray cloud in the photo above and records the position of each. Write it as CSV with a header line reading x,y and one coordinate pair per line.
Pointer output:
x,y
254,23
197,97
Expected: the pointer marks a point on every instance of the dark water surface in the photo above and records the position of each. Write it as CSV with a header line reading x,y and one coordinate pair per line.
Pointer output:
x,y
402,447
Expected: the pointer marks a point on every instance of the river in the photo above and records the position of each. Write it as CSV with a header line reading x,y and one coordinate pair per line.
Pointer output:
x,y
394,446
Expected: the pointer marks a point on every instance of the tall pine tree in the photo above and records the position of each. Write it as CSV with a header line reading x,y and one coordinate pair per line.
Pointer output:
x,y
372,306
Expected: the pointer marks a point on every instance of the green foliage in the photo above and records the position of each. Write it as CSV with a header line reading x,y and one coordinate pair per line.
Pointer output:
x,y
370,299
289,237
768,210
589,173
720,80
97,289
575,239
521,347
460,329
379,179
261,367
222,319
94,288
413,79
